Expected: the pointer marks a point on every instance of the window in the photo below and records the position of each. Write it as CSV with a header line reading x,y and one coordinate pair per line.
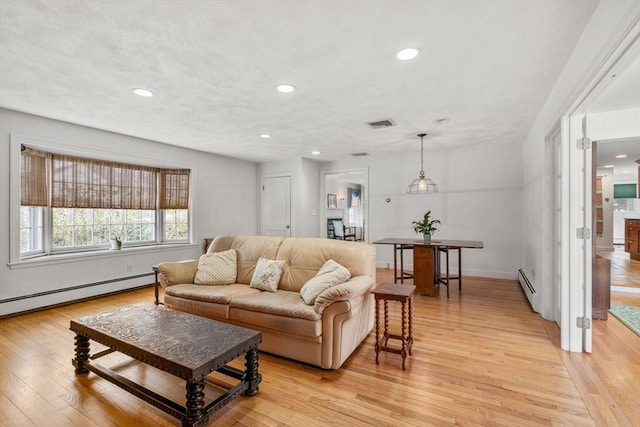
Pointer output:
x,y
176,223
74,204
31,229
80,227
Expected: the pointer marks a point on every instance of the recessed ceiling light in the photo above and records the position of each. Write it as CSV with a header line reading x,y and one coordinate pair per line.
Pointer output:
x,y
608,166
286,88
315,153
407,54
265,136
621,156
142,92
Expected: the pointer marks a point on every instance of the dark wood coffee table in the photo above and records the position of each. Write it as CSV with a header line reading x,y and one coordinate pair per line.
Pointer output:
x,y
184,345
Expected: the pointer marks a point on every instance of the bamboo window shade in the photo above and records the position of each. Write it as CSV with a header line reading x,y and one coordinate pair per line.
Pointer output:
x,y
33,177
174,189
78,182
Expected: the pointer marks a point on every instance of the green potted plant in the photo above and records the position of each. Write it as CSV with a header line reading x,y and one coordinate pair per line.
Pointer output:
x,y
426,226
116,240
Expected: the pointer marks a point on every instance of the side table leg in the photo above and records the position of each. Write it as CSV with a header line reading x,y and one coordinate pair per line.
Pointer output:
x,y
386,323
403,334
252,376
195,404
410,338
377,346
82,354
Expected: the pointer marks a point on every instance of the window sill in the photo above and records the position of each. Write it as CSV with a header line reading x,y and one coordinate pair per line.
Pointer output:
x,y
105,253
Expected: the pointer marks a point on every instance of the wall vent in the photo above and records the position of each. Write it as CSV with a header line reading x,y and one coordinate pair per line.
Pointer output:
x,y
381,124
529,290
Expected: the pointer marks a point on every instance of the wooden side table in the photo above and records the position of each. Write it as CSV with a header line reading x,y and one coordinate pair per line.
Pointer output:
x,y
404,294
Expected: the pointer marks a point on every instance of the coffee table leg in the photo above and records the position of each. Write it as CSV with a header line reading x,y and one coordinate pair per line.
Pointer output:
x,y
195,403
252,377
82,354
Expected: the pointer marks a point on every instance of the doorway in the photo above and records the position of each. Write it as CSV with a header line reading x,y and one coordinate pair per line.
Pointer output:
x,y
344,196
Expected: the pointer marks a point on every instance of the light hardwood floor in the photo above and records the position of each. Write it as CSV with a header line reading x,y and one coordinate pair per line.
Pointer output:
x,y
624,270
480,359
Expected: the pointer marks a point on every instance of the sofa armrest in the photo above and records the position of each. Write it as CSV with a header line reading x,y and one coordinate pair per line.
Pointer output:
x,y
174,273
358,285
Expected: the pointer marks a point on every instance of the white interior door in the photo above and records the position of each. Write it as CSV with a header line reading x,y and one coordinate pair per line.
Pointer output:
x,y
276,206
578,295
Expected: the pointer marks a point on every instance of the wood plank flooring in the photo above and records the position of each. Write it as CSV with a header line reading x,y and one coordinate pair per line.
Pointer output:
x,y
624,270
483,358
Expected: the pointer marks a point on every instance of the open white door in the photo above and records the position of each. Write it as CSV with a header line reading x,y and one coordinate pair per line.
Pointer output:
x,y
578,317
276,206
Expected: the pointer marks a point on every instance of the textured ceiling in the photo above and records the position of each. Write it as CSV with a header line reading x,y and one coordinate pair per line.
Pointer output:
x,y
488,66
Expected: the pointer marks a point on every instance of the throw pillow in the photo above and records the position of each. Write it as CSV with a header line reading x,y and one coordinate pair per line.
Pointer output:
x,y
267,275
330,274
217,268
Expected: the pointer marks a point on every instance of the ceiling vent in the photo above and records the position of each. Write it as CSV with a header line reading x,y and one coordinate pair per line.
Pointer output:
x,y
381,124
359,154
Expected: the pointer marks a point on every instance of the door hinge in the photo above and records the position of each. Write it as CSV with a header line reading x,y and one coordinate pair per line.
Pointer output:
x,y
583,233
583,323
583,143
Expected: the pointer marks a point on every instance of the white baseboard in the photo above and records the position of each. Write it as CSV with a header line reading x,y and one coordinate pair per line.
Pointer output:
x,y
507,275
625,289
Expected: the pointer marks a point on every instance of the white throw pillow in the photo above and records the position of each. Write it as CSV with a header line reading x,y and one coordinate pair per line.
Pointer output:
x,y
330,274
217,268
267,275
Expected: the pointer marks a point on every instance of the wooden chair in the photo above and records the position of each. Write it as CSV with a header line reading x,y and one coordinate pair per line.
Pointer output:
x,y
340,231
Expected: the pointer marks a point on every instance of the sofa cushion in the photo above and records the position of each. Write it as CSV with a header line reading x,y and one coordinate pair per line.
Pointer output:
x,y
267,275
281,303
218,268
282,311
330,274
217,294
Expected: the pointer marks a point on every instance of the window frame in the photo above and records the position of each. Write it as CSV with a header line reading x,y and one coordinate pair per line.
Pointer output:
x,y
16,257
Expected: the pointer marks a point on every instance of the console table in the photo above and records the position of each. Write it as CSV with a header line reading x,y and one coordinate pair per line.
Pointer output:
x,y
426,265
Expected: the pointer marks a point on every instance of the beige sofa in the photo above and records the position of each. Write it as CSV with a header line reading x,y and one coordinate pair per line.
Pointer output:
x,y
323,334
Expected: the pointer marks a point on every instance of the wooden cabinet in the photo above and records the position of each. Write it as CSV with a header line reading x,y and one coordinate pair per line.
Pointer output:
x,y
423,271
632,237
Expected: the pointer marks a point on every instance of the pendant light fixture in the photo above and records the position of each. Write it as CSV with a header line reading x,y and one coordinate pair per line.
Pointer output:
x,y
422,185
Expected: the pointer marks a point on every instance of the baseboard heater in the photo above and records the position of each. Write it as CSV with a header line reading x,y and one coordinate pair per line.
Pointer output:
x,y
529,290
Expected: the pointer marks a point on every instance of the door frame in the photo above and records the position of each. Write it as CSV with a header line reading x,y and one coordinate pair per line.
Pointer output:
x,y
324,173
577,286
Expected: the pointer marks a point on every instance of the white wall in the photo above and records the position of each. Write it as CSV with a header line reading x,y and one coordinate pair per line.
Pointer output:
x,y
599,38
218,208
480,198
615,124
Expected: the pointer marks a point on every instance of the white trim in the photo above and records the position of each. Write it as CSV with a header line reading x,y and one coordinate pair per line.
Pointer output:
x,y
551,295
625,289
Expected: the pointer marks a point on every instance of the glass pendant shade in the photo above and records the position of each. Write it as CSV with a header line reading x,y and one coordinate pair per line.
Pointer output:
x,y
422,185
